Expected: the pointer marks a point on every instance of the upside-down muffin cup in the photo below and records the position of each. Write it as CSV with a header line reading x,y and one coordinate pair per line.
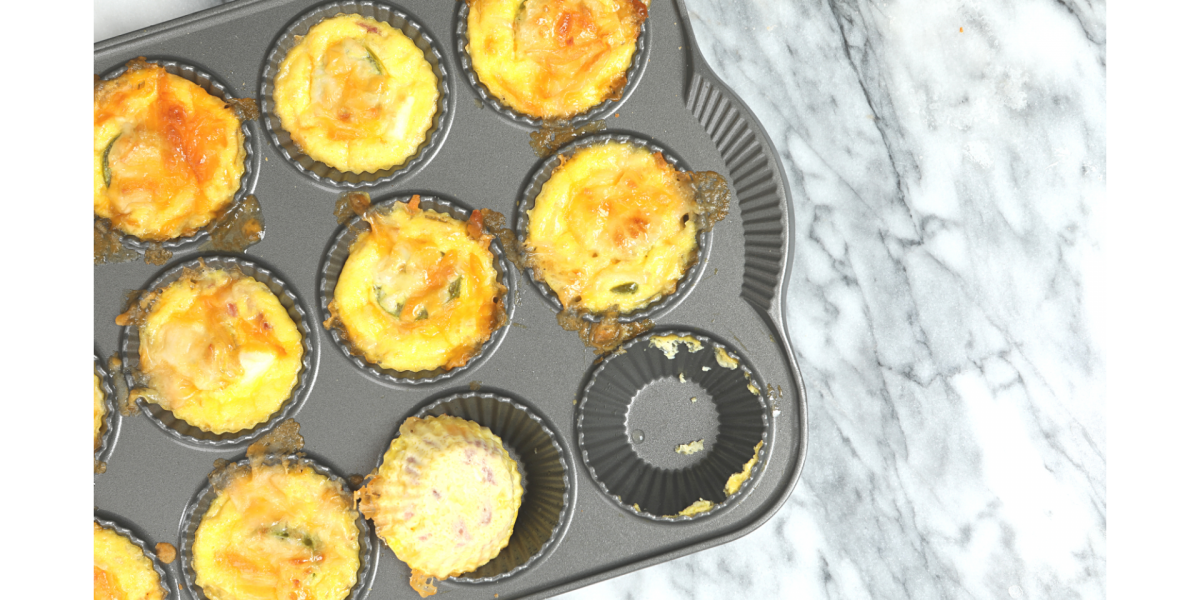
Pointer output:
x,y
415,290
550,60
219,350
355,93
123,567
170,152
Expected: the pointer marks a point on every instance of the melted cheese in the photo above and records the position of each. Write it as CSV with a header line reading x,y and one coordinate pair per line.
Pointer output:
x,y
98,411
612,228
669,344
724,359
553,58
356,94
738,479
690,447
418,290
167,155
120,570
279,533
219,351
445,498
698,507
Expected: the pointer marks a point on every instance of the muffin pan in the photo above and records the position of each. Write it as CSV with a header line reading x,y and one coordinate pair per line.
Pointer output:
x,y
582,526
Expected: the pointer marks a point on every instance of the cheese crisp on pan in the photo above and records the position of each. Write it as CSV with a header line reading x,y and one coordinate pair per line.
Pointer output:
x,y
168,157
419,290
356,94
219,351
99,410
277,531
120,570
553,59
613,228
445,498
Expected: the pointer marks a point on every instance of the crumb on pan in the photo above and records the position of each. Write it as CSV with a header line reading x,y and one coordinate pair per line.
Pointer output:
x,y
738,479
724,359
669,344
690,448
165,552
698,507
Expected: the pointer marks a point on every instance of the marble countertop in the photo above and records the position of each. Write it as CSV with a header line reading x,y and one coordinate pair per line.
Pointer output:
x,y
946,161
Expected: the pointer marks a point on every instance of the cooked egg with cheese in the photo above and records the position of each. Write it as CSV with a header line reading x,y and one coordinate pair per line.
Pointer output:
x,y
219,351
356,94
168,157
419,290
120,570
99,410
277,532
553,59
445,498
613,228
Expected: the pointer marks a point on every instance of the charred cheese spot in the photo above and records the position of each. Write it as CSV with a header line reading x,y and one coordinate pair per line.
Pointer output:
x,y
356,94
168,157
613,227
219,351
445,498
120,570
553,58
277,532
418,291
98,411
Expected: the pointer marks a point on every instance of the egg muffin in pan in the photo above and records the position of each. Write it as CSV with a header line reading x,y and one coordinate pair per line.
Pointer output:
x,y
216,348
418,291
553,59
168,156
614,228
277,531
120,569
356,94
444,499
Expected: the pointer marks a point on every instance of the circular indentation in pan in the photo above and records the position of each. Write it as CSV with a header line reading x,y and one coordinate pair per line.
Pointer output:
x,y
637,415
109,425
544,472
320,171
164,578
213,86
632,76
368,552
184,431
541,174
335,259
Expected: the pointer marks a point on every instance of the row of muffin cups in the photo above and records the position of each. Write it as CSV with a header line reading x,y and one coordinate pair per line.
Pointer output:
x,y
321,172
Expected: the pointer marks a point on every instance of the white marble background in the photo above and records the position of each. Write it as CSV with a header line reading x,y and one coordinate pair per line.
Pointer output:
x,y
948,164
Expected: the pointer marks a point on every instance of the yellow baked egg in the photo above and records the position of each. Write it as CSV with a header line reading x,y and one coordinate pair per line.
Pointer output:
x,y
168,157
445,498
356,94
613,228
218,350
419,290
99,410
277,532
553,58
120,570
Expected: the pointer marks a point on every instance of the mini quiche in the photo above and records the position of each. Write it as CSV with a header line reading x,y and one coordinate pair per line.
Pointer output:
x,y
168,157
356,94
275,532
219,351
613,228
553,59
99,410
418,290
120,570
445,498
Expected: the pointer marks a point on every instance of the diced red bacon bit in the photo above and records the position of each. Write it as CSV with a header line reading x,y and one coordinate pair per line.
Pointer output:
x,y
487,471
369,28
232,308
475,225
487,515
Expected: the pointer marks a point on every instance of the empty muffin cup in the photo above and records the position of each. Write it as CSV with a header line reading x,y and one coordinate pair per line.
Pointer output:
x,y
186,432
673,425
542,463
339,252
320,171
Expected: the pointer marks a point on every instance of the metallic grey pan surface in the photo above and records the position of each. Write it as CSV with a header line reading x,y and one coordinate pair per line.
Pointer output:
x,y
485,161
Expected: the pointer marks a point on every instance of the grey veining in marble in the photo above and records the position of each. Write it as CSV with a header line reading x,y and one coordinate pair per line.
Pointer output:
x,y
947,161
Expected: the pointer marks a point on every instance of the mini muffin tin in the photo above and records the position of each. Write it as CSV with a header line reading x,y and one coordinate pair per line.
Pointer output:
x,y
535,384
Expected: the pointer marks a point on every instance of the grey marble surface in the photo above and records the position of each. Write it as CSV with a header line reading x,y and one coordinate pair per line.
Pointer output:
x,y
947,160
